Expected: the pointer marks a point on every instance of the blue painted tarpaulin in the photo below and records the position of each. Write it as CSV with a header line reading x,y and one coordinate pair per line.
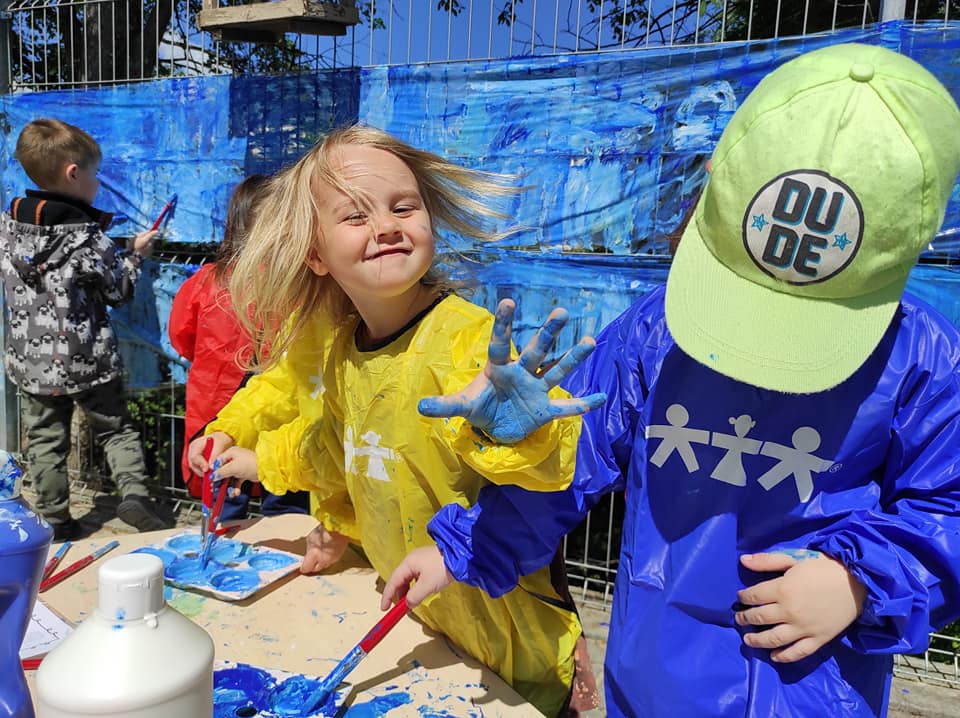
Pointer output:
x,y
611,148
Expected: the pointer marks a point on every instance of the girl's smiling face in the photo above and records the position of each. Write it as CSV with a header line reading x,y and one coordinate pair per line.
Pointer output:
x,y
376,242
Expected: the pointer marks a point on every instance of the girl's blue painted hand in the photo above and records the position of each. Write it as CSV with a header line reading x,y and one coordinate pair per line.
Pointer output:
x,y
509,400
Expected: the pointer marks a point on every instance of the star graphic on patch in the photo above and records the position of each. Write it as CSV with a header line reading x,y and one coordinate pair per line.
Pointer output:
x,y
759,221
841,241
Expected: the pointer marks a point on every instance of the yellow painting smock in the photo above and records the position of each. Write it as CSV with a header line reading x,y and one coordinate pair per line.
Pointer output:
x,y
285,398
379,471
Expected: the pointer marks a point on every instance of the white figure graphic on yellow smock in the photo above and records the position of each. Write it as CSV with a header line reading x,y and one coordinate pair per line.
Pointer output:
x,y
376,454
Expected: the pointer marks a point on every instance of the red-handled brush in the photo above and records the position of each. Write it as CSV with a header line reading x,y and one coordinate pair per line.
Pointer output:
x,y
206,491
163,212
357,654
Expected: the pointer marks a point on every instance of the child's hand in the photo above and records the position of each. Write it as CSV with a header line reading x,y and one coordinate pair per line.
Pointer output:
x,y
509,400
424,565
807,607
324,548
198,464
143,242
236,464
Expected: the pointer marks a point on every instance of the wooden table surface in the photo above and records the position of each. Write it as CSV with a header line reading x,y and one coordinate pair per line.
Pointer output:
x,y
306,624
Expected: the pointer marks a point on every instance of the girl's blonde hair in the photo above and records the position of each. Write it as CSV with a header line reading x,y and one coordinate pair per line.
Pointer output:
x,y
241,210
275,292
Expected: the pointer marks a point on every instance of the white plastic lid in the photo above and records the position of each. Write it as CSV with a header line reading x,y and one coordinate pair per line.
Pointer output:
x,y
130,587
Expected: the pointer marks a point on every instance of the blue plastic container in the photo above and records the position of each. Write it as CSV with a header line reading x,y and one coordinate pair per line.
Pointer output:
x,y
24,541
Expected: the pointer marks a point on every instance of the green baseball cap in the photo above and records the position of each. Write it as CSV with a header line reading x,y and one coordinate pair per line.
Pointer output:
x,y
825,186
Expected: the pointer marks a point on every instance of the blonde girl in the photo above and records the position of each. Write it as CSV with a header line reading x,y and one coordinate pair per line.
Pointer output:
x,y
349,232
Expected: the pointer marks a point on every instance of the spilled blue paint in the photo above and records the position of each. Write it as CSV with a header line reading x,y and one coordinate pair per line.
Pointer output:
x,y
336,676
234,567
240,689
612,148
379,706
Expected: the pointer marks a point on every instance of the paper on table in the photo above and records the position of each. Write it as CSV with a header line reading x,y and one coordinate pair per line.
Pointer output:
x,y
44,632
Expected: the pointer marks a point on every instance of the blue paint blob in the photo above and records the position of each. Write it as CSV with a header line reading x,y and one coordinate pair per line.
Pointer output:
x,y
290,698
233,567
228,551
10,473
271,561
184,542
244,687
379,705
186,570
235,580
799,554
168,557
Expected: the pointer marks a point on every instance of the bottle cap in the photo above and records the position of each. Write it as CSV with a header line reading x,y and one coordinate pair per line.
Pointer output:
x,y
130,587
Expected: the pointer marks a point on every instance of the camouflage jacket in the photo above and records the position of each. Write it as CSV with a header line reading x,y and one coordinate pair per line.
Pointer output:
x,y
57,282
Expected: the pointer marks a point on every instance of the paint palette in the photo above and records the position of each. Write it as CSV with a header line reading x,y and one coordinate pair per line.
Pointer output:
x,y
242,691
235,571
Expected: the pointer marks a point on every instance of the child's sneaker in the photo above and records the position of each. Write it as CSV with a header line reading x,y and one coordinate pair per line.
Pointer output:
x,y
141,513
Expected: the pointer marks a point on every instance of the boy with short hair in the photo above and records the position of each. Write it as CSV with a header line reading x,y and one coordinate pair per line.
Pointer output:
x,y
60,271
784,419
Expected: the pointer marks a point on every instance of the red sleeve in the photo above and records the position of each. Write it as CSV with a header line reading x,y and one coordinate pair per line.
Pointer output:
x,y
185,309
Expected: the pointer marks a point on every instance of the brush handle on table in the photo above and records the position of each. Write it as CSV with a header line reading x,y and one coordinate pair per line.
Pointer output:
x,y
54,561
65,573
76,566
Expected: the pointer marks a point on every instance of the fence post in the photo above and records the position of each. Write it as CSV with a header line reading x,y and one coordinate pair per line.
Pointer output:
x,y
9,417
892,10
6,27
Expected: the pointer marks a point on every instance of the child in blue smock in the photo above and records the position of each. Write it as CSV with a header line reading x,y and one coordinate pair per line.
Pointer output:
x,y
785,421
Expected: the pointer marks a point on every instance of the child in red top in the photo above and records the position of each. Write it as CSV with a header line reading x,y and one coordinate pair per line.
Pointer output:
x,y
204,329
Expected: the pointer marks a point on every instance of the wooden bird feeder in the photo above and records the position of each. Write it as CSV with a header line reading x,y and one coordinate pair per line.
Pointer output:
x,y
270,21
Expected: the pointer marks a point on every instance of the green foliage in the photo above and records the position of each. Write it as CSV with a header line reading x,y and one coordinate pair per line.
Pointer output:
x,y
157,413
369,16
950,645
633,23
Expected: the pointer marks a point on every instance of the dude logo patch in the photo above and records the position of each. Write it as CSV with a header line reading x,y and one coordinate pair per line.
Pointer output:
x,y
803,227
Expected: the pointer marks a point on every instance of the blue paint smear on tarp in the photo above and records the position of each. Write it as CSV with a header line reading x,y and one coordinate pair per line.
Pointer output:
x,y
612,148
611,145
158,139
281,117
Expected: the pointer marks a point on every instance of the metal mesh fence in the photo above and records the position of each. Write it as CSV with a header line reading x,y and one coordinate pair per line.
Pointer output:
x,y
56,44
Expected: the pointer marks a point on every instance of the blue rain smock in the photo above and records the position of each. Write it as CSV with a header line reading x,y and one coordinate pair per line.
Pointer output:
x,y
378,471
867,472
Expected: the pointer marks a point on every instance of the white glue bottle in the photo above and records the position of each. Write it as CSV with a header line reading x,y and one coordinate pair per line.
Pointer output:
x,y
133,657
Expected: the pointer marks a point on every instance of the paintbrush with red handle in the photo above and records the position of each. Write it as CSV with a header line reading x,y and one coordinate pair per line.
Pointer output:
x,y
329,684
163,212
55,560
76,566
206,491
